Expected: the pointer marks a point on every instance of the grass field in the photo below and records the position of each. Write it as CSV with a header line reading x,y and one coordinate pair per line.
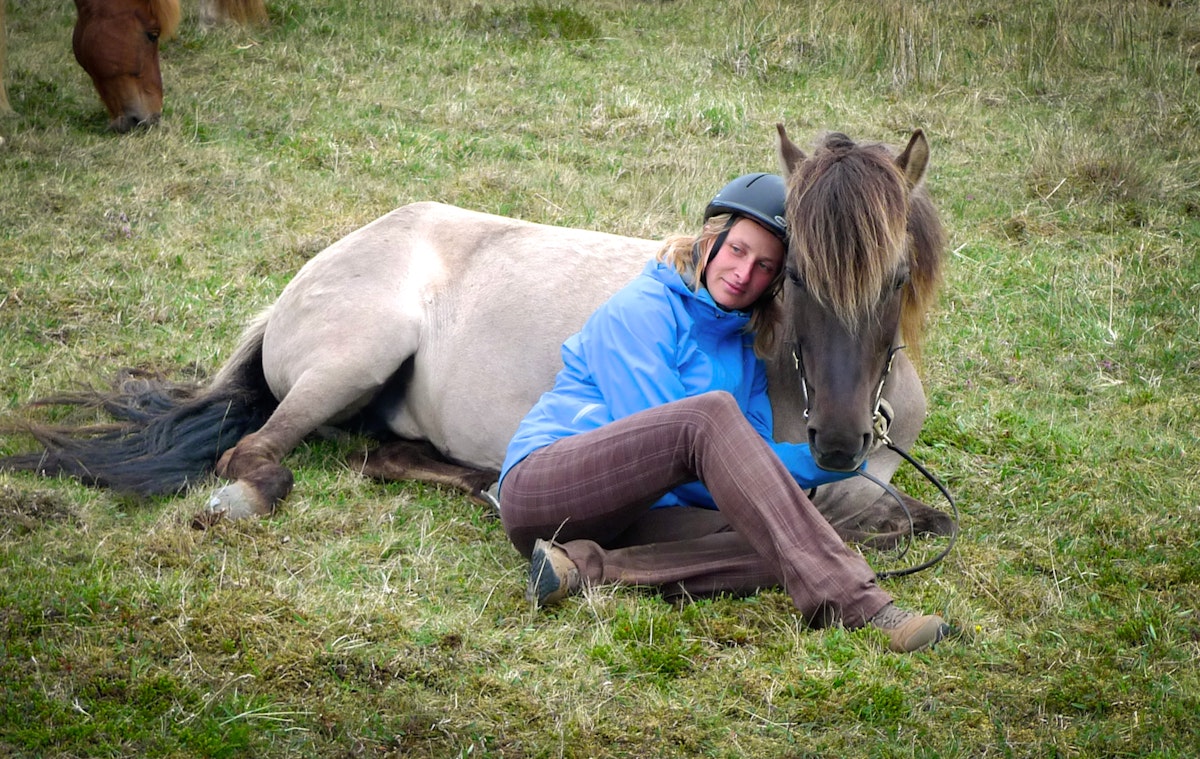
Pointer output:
x,y
366,619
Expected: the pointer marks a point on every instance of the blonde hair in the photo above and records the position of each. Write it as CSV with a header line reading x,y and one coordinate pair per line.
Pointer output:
x,y
690,254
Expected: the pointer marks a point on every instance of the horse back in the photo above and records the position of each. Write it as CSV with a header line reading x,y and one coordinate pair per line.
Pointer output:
x,y
446,322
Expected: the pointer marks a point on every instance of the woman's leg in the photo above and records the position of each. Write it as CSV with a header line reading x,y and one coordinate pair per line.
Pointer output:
x,y
594,486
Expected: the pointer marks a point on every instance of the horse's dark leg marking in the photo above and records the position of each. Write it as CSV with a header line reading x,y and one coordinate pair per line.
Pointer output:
x,y
419,460
259,482
255,460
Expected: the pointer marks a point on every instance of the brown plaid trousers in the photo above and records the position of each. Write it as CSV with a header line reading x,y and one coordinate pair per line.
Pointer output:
x,y
591,493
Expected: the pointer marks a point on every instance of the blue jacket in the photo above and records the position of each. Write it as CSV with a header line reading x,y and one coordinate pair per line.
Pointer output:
x,y
655,341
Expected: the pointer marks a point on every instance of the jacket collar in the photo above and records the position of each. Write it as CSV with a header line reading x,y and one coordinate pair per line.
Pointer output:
x,y
700,302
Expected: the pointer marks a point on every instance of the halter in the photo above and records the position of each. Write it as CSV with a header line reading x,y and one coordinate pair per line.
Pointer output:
x,y
881,411
882,415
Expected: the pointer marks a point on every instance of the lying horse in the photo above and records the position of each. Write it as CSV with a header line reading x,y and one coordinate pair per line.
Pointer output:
x,y
442,326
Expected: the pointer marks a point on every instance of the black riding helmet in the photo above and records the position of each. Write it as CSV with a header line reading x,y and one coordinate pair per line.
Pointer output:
x,y
760,196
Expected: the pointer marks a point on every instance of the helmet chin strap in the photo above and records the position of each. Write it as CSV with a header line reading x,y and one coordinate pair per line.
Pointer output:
x,y
717,242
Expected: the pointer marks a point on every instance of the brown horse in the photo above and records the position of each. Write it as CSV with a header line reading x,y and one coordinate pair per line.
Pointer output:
x,y
116,43
442,325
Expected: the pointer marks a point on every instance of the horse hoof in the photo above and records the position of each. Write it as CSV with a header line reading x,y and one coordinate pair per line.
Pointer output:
x,y
232,501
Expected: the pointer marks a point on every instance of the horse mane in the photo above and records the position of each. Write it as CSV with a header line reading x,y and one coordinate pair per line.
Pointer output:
x,y
854,215
168,14
236,12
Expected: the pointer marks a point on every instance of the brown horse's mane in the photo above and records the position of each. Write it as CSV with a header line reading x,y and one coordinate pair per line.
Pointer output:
x,y
239,12
855,219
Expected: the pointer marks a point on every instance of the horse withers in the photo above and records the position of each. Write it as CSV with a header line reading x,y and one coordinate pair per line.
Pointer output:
x,y
441,327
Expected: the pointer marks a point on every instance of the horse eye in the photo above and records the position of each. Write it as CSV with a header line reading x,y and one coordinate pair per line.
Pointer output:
x,y
152,36
902,278
794,277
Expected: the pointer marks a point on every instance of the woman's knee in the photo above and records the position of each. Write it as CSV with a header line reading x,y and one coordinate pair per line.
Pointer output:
x,y
720,407
718,401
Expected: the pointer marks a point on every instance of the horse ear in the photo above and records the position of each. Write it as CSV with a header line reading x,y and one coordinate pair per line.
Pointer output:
x,y
915,158
789,155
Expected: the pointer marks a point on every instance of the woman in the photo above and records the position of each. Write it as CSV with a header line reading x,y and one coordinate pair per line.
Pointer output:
x,y
651,461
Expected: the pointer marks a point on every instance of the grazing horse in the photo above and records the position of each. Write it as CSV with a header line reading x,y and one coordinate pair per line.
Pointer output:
x,y
441,326
116,43
111,45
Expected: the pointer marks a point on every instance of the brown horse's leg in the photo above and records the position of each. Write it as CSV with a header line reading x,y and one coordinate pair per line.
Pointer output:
x,y
237,12
5,108
419,460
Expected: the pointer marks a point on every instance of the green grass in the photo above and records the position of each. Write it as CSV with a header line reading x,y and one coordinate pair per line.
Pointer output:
x,y
368,619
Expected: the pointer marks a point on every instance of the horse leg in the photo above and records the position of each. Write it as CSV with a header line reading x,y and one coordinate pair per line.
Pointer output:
x,y
5,108
259,479
419,460
856,507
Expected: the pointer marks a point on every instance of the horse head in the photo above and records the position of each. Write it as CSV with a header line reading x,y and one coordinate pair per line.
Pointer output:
x,y
116,43
864,258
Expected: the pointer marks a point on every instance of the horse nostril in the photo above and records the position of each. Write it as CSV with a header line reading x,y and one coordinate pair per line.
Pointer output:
x,y
838,454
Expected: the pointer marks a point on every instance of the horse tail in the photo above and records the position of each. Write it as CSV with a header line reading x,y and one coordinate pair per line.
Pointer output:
x,y
169,435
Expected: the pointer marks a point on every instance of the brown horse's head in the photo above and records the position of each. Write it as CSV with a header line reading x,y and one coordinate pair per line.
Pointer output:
x,y
116,42
864,263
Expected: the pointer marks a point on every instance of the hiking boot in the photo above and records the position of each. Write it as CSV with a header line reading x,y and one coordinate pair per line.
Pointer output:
x,y
908,632
552,574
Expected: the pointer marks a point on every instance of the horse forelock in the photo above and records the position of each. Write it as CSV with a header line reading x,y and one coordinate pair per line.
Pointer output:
x,y
847,218
168,14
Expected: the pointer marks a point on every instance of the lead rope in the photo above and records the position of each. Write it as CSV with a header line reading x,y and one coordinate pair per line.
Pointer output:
x,y
895,494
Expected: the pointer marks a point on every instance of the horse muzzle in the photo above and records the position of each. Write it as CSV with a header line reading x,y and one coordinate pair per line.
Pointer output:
x,y
839,452
128,122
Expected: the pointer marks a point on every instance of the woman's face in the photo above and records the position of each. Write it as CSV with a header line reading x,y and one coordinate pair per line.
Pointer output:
x,y
743,268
